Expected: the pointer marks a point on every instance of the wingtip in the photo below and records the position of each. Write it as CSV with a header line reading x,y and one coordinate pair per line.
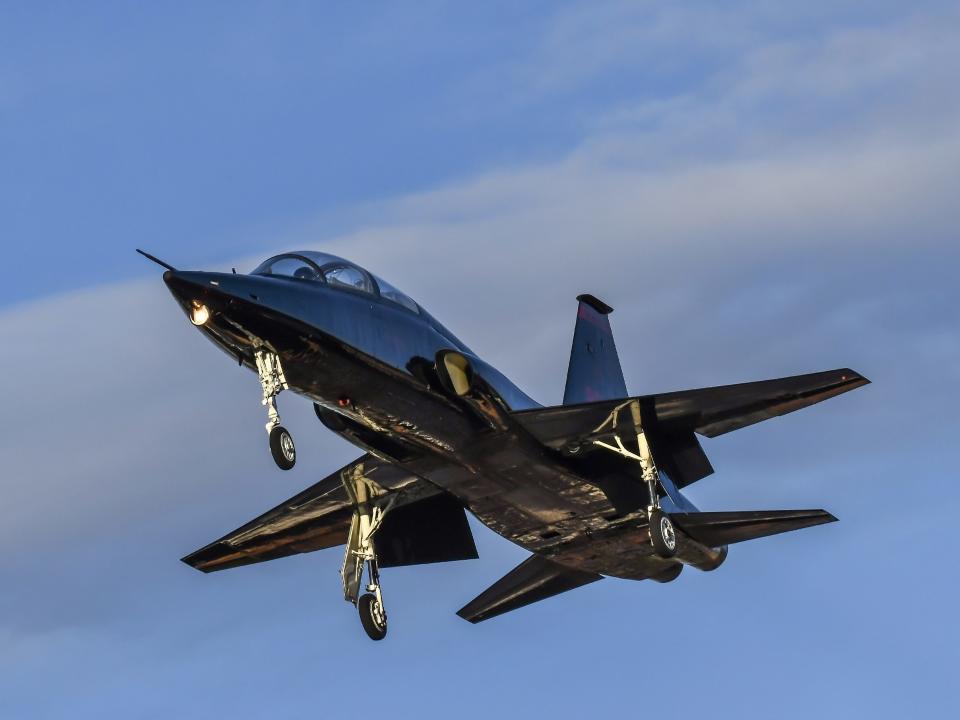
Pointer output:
x,y
853,377
190,562
472,619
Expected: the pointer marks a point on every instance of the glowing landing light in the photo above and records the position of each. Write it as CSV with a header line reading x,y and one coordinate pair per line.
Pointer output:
x,y
199,314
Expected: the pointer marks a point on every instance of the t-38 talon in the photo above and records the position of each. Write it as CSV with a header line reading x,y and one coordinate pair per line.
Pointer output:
x,y
591,488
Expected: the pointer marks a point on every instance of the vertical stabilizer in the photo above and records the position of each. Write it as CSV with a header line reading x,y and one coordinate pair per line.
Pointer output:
x,y
594,372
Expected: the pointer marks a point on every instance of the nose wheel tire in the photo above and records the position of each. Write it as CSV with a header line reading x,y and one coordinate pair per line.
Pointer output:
x,y
663,536
372,616
282,448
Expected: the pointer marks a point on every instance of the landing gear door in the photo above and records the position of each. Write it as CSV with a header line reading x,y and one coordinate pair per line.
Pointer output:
x,y
352,570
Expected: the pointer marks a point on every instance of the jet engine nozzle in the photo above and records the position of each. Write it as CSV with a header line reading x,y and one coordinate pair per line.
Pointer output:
x,y
696,554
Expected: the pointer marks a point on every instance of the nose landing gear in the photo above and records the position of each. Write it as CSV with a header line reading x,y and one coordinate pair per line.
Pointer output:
x,y
273,383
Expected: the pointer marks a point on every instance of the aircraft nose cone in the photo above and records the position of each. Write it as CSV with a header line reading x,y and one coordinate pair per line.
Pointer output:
x,y
233,294
191,285
183,282
198,293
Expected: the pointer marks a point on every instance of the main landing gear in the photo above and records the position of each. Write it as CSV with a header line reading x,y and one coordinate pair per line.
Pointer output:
x,y
663,535
273,383
367,516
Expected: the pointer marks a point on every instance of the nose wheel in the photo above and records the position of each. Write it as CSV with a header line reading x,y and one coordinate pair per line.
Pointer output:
x,y
273,382
282,447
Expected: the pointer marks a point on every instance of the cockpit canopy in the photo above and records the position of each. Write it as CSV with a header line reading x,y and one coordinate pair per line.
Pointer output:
x,y
313,266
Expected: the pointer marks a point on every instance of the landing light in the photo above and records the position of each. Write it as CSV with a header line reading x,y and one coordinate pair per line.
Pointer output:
x,y
199,314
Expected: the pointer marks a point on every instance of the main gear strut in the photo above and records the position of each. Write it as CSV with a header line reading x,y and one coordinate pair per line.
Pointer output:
x,y
663,536
368,514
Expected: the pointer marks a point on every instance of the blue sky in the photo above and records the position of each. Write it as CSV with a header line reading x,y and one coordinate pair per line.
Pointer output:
x,y
758,191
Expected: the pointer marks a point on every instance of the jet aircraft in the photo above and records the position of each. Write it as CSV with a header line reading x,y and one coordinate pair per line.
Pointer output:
x,y
591,488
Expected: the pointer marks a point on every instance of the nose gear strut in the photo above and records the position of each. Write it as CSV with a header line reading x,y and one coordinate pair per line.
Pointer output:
x,y
273,383
367,516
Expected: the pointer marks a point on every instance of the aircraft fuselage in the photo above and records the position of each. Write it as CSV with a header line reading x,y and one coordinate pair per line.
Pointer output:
x,y
367,364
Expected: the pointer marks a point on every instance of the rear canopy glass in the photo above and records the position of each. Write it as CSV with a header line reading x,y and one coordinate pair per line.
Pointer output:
x,y
348,276
389,292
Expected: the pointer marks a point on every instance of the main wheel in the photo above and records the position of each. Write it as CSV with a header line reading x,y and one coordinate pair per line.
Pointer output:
x,y
372,616
663,537
282,449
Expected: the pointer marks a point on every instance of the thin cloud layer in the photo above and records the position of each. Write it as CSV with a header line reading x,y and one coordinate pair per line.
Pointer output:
x,y
793,212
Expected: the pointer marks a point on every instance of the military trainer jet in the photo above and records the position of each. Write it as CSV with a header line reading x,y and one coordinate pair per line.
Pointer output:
x,y
590,488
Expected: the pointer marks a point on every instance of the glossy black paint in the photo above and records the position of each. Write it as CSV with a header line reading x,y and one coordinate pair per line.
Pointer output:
x,y
530,474
535,579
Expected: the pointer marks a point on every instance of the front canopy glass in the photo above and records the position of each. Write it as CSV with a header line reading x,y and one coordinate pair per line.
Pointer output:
x,y
289,266
336,272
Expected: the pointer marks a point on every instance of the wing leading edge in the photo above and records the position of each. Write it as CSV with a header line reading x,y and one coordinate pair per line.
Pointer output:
x,y
706,411
319,517
672,420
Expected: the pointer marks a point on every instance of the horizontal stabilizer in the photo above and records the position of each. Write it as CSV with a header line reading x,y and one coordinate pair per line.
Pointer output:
x,y
536,578
715,529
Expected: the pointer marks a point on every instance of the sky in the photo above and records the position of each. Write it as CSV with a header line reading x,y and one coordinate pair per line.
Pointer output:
x,y
758,190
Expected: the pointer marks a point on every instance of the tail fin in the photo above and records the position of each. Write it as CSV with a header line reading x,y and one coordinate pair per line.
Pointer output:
x,y
594,372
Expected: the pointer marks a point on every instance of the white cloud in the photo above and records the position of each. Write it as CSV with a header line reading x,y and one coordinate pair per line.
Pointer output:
x,y
792,247
660,242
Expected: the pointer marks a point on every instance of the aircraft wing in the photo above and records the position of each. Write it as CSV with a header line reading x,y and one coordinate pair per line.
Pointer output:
x,y
718,410
319,517
672,420
707,411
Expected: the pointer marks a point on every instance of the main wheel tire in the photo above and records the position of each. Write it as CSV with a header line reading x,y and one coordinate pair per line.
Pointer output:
x,y
372,616
282,448
663,536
